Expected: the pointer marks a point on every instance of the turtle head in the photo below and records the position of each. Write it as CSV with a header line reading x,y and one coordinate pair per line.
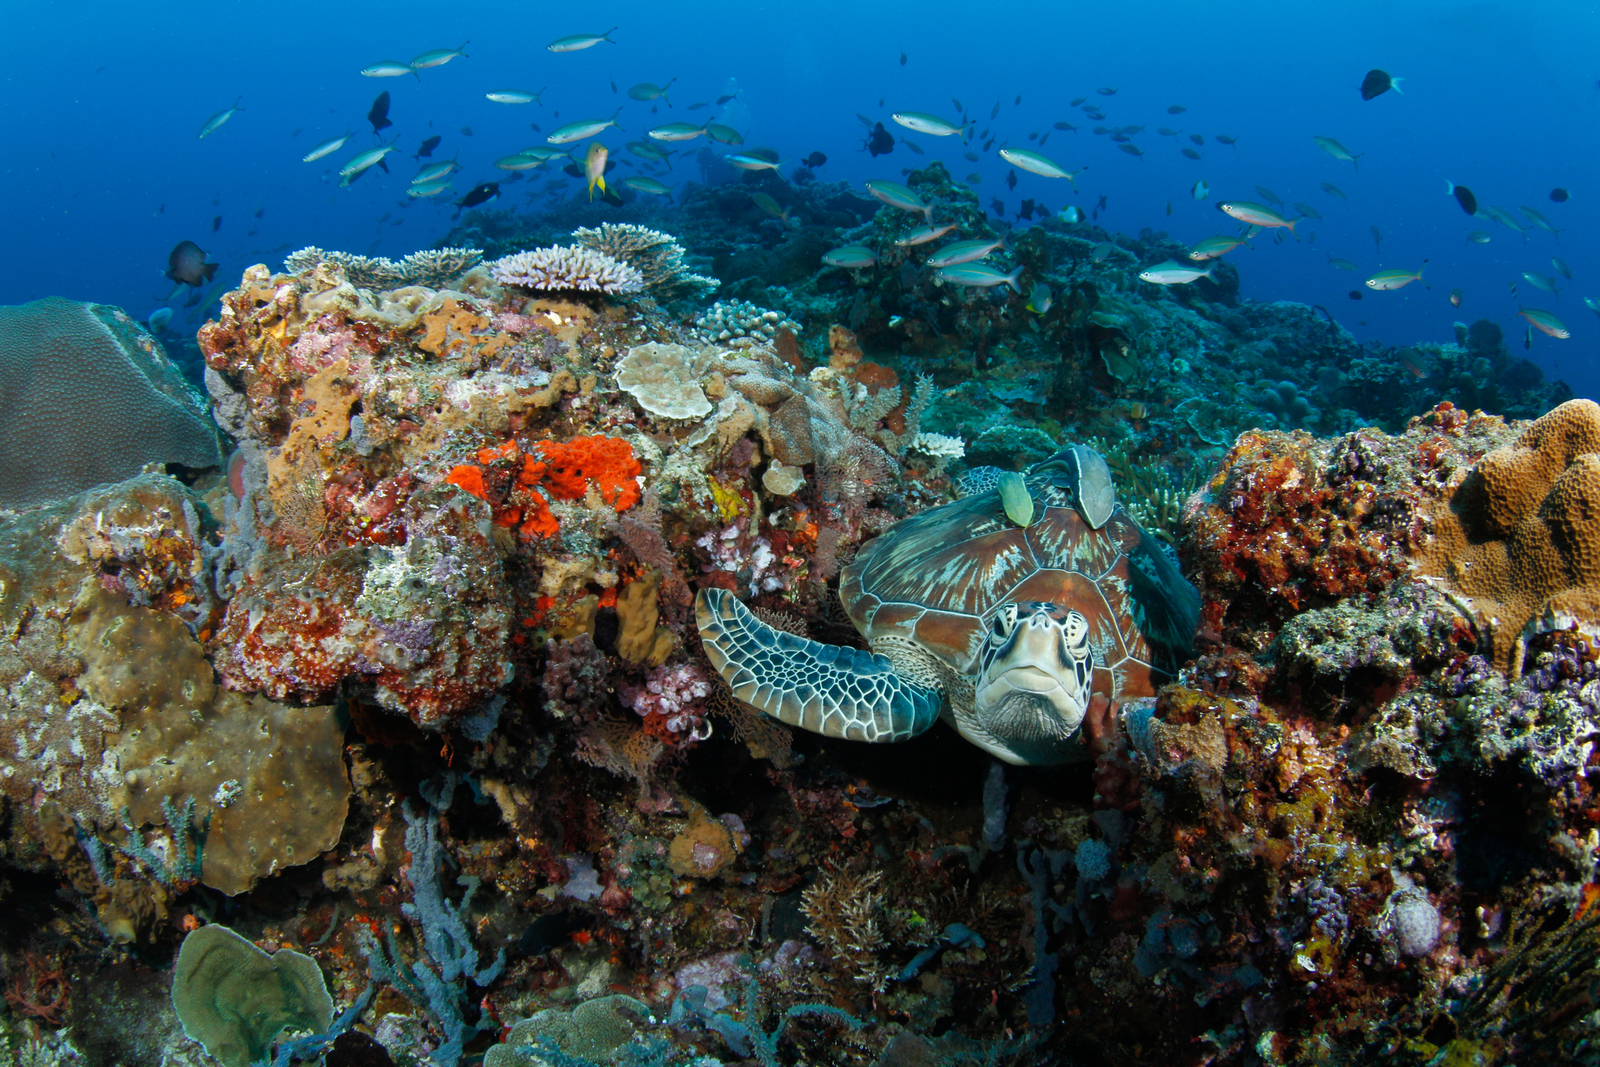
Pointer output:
x,y
1034,674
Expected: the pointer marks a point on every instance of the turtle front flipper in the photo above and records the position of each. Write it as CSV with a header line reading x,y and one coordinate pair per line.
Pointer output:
x,y
827,689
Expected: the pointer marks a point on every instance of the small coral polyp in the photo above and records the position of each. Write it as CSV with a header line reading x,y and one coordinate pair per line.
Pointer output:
x,y
516,479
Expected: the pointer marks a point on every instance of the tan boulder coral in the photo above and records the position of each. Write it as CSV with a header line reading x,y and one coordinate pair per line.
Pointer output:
x,y
1519,537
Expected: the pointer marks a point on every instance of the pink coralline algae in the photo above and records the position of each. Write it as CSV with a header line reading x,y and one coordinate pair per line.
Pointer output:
x,y
677,694
559,267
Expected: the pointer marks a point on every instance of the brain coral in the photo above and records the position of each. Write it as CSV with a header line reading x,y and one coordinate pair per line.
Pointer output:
x,y
559,267
1520,536
87,398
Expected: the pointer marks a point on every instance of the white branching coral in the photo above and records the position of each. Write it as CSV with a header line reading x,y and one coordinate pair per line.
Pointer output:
x,y
657,257
433,268
566,267
665,379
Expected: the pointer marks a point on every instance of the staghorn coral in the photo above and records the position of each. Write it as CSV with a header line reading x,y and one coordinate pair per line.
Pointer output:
x,y
434,268
564,267
58,434
657,257
1517,537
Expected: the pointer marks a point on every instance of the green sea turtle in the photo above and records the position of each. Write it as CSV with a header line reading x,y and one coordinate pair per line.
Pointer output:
x,y
1007,611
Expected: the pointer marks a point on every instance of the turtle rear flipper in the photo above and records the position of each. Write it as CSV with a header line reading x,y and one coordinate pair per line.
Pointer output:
x,y
827,689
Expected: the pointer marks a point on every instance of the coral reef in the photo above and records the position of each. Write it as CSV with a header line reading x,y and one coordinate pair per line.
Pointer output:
x,y
411,690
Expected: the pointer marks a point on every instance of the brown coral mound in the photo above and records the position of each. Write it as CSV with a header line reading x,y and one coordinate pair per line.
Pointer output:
x,y
87,398
1520,535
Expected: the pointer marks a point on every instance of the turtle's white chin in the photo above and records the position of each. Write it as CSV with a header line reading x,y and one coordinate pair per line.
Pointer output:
x,y
1026,703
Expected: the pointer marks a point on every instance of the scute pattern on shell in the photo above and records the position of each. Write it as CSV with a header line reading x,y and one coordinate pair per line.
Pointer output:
x,y
939,578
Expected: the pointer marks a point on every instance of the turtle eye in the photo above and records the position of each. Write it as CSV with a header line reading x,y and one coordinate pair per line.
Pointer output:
x,y
1005,622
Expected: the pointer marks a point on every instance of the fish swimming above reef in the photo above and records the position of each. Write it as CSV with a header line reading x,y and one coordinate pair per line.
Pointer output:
x,y
1377,82
1255,215
1040,164
1307,210
1040,299
1338,151
594,167
434,188
427,147
924,234
880,142
932,125
512,96
723,134
1389,280
389,68
364,162
1176,109
578,131
1559,195
219,118
646,91
1545,322
439,57
1200,190
1539,281
1227,139
1463,195
481,193
186,264
814,160
766,203
751,161
899,196
641,184
579,41
1172,272
1212,247
958,252
332,144
676,131
1455,298
435,171
1540,221
979,276
1342,264
1269,196
1333,190
1190,153
378,113
1561,267
854,257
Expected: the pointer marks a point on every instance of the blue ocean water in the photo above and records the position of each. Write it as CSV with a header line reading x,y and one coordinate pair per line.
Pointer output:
x,y
104,171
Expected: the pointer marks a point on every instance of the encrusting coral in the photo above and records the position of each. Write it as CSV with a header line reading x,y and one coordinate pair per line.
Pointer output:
x,y
1518,534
